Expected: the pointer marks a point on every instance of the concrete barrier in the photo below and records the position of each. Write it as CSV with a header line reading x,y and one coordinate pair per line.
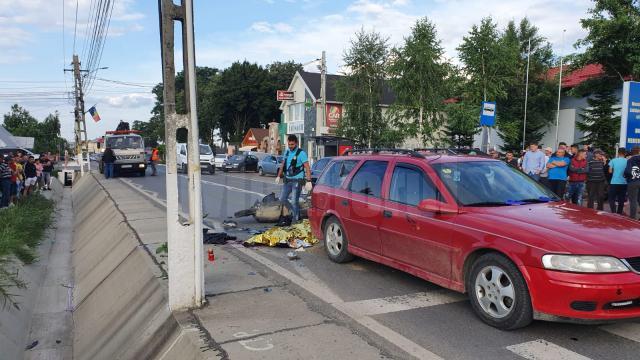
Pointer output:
x,y
120,299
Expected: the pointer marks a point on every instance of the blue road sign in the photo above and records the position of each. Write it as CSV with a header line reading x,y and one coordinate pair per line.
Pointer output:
x,y
630,124
488,113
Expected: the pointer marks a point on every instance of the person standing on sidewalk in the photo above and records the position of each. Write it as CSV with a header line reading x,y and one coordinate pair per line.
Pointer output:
x,y
155,157
108,158
544,175
578,170
30,176
5,182
533,162
557,169
596,180
295,170
511,160
632,174
47,169
618,184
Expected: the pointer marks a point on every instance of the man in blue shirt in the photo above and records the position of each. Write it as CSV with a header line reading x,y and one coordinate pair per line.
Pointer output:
x,y
618,186
295,170
558,166
534,162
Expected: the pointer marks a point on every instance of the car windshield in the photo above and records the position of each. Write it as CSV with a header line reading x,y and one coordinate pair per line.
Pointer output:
x,y
205,150
237,158
491,183
124,142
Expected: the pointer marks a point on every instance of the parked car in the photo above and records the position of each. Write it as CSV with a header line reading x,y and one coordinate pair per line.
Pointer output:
x,y
269,165
317,167
241,163
479,226
206,158
220,159
9,150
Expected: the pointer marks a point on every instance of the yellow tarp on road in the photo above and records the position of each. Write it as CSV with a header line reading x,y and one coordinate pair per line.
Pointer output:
x,y
284,235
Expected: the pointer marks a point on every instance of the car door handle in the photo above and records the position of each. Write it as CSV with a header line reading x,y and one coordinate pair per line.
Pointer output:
x,y
345,202
387,213
410,220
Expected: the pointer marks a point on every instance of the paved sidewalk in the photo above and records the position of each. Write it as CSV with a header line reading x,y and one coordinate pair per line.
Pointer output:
x,y
252,313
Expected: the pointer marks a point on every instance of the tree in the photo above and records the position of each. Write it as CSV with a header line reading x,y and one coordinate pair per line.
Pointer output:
x,y
612,41
418,77
600,121
487,62
461,124
242,97
361,92
541,94
46,134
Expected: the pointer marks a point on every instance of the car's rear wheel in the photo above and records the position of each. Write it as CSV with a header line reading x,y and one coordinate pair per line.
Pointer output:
x,y
335,241
498,292
260,171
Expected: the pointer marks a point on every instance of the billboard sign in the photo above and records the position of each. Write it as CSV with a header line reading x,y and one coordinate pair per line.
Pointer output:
x,y
334,114
284,95
488,113
630,124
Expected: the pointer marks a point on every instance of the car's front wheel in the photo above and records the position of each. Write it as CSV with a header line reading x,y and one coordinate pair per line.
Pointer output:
x,y
212,169
335,242
498,292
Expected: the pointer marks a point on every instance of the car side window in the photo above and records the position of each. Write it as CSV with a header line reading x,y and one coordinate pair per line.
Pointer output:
x,y
368,179
338,171
410,185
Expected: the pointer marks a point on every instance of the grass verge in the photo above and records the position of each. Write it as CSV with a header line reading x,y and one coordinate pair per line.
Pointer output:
x,y
22,228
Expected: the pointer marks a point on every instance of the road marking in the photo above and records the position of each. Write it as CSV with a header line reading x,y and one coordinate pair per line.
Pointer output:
x,y
251,179
629,331
404,302
544,350
321,291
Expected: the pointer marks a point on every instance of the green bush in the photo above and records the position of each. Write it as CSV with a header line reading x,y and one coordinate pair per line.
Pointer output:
x,y
22,228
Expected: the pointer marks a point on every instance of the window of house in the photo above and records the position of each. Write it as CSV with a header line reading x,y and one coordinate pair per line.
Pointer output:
x,y
296,112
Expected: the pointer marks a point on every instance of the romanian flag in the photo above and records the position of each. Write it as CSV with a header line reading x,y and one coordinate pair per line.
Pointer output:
x,y
94,114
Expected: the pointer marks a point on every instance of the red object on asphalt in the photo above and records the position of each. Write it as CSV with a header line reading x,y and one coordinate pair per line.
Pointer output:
x,y
210,255
478,226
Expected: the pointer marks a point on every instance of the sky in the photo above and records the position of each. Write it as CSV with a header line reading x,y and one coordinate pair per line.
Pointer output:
x,y
37,42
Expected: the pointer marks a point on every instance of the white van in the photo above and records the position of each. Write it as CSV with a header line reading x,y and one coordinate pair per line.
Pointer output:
x,y
207,158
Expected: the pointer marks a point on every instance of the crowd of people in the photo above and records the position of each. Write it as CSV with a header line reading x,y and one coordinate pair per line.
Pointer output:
x,y
572,172
22,174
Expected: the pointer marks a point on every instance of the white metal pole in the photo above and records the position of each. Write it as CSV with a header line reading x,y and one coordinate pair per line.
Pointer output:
x,y
526,98
559,89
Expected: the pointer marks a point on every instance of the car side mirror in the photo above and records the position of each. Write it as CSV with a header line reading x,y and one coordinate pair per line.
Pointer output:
x,y
438,207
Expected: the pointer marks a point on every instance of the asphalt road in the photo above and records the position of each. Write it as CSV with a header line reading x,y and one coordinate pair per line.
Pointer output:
x,y
434,319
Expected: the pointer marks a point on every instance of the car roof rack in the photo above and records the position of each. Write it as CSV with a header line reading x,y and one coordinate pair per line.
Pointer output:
x,y
453,151
124,132
411,153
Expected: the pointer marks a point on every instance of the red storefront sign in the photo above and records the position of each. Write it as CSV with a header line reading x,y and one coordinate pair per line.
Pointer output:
x,y
334,114
284,95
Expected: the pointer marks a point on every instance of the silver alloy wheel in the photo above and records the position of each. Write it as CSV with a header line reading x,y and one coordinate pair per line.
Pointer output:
x,y
495,292
334,239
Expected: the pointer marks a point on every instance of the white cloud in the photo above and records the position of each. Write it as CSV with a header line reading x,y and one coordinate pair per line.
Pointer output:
x,y
127,101
393,19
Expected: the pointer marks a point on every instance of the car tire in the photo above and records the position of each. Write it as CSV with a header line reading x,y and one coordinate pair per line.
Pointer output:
x,y
101,167
260,171
243,169
212,169
143,173
498,292
225,170
335,242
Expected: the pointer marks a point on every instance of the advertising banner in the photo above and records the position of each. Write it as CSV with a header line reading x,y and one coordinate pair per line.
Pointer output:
x,y
630,124
284,95
334,114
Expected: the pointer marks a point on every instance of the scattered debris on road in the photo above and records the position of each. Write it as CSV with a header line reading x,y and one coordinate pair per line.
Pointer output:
x,y
294,236
269,209
292,255
229,224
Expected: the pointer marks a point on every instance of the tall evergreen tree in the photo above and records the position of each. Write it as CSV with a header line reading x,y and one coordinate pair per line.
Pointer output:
x,y
418,77
600,121
461,124
361,92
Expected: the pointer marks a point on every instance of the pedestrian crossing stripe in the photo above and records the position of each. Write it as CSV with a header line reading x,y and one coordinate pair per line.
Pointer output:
x,y
544,350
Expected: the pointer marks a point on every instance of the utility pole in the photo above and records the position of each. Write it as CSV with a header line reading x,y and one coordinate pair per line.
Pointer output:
x,y
185,257
323,93
559,90
526,98
80,125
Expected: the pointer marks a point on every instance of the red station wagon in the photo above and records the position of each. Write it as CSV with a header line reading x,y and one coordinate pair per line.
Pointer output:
x,y
479,226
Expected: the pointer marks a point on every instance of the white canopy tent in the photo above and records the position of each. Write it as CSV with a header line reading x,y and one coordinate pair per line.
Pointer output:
x,y
6,139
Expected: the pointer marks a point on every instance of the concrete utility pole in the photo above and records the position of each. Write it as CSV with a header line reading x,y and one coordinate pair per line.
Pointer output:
x,y
80,124
323,87
186,277
526,98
